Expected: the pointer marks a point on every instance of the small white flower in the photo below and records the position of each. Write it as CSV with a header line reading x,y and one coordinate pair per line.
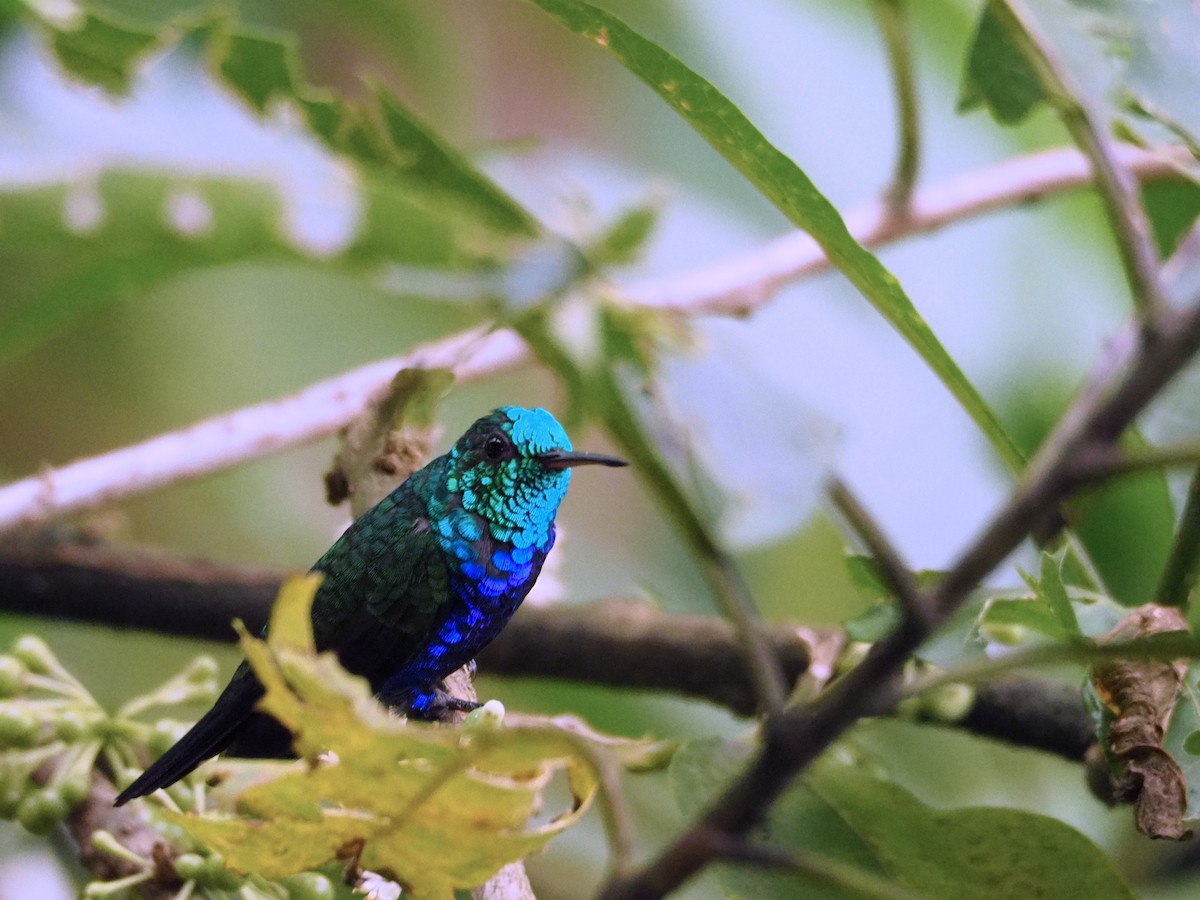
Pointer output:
x,y
376,887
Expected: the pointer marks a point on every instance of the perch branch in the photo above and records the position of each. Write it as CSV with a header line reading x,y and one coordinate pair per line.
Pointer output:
x,y
618,643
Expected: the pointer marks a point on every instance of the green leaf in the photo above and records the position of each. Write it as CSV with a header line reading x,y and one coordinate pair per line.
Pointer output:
x,y
724,126
103,51
875,623
1051,589
1127,526
259,68
623,240
1055,610
54,273
844,813
263,69
799,821
982,853
1182,740
291,622
998,74
1138,60
864,572
424,156
1162,80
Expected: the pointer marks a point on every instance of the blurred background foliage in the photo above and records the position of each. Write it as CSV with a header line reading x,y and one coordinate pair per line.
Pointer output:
x,y
166,255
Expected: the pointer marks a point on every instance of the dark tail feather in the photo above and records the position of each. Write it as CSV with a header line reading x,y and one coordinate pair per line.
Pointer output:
x,y
208,737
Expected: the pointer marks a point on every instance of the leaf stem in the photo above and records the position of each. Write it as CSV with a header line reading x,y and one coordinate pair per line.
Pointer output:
x,y
892,16
1179,574
1116,185
812,867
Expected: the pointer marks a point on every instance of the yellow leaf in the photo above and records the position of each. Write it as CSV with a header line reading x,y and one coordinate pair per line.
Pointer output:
x,y
434,807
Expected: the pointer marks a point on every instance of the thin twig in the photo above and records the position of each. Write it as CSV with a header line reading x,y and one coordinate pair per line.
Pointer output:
x,y
1102,463
317,411
893,23
1115,184
896,574
741,284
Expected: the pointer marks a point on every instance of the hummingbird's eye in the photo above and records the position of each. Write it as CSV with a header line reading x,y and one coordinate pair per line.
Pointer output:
x,y
495,448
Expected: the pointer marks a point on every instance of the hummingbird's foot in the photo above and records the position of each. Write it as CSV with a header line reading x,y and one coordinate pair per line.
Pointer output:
x,y
430,704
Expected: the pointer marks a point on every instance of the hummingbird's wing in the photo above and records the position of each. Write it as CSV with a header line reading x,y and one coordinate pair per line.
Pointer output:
x,y
383,580
387,586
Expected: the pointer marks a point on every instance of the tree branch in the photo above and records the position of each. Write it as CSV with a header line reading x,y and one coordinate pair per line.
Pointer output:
x,y
317,411
741,284
734,287
619,643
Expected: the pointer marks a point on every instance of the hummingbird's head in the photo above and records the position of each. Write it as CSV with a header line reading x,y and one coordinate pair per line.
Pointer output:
x,y
512,467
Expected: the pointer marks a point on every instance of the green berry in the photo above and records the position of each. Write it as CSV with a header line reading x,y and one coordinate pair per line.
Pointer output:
x,y
189,866
70,726
950,703
74,788
18,727
41,810
12,671
309,886
10,799
216,876
34,653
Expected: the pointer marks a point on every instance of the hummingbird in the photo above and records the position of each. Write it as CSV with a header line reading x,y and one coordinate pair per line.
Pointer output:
x,y
417,585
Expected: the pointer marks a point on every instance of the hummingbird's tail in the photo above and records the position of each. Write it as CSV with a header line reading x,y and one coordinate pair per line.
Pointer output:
x,y
208,737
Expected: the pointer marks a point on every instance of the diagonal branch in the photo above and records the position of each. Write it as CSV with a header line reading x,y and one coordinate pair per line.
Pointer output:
x,y
317,411
794,739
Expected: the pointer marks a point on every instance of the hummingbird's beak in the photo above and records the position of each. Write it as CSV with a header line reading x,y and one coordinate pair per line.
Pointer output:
x,y
565,459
